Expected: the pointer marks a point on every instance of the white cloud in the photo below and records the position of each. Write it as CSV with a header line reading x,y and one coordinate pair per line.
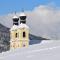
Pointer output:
x,y
43,21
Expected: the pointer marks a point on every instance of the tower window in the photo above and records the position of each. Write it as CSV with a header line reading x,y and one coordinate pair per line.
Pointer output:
x,y
24,34
16,35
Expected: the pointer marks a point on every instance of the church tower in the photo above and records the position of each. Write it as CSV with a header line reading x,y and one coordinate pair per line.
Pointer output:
x,y
13,33
19,33
23,30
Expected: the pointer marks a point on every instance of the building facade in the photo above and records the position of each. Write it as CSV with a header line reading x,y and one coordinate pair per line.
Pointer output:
x,y
19,33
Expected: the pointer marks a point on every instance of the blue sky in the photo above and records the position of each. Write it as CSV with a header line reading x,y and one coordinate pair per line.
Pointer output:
x,y
8,6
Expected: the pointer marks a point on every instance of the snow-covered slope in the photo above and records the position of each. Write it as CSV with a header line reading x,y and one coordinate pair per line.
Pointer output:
x,y
47,50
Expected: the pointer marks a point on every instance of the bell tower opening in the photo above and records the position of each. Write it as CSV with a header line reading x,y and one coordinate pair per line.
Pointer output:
x,y
24,34
16,35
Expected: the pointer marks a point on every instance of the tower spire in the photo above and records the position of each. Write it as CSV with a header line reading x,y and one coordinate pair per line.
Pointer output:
x,y
15,12
22,10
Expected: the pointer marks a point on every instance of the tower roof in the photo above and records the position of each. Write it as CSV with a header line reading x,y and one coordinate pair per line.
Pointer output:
x,y
23,26
15,17
22,17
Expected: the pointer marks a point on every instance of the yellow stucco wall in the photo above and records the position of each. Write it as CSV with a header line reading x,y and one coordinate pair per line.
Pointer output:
x,y
19,42
20,31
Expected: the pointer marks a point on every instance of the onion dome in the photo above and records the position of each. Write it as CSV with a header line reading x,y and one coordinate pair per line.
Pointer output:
x,y
15,20
22,17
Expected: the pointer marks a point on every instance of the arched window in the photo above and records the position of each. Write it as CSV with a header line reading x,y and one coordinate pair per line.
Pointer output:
x,y
24,34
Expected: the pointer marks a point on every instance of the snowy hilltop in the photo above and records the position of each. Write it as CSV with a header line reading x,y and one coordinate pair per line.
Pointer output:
x,y
47,50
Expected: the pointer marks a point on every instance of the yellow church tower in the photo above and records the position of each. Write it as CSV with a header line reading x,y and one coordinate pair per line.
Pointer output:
x,y
19,33
23,30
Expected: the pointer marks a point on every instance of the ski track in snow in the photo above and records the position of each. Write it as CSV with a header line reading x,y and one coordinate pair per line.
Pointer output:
x,y
34,51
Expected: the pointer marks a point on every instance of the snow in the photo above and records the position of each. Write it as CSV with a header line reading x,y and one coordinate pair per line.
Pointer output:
x,y
23,26
46,50
15,17
22,14
14,27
